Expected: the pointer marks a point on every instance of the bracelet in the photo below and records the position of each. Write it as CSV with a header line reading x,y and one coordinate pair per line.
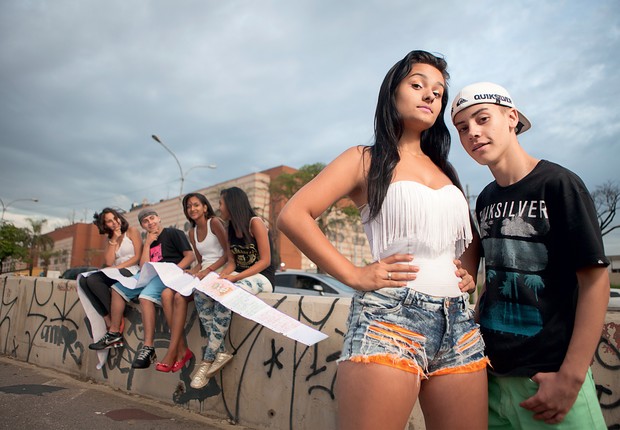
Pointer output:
x,y
112,243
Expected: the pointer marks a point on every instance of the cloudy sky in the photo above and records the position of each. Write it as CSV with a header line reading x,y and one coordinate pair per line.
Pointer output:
x,y
250,85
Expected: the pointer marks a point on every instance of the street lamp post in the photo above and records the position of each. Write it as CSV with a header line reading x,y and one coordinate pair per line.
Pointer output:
x,y
183,174
5,206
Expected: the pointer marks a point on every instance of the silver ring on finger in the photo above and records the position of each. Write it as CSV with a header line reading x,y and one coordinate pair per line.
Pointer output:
x,y
389,276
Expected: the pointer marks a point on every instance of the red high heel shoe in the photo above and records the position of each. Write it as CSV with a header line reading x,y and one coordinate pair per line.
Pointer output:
x,y
163,367
178,365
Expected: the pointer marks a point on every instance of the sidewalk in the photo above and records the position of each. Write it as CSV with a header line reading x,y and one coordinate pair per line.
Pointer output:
x,y
33,397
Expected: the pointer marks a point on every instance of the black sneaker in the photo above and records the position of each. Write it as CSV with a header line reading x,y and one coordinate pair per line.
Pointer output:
x,y
144,358
109,340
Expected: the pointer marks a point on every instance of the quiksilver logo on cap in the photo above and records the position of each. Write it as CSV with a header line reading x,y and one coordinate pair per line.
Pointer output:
x,y
499,99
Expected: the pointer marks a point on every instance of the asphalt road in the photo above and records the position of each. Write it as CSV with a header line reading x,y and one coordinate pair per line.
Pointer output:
x,y
37,398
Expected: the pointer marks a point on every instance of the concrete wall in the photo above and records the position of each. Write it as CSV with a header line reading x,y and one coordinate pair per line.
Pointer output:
x,y
273,382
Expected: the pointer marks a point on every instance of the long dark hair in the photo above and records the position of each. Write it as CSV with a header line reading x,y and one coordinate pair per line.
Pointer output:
x,y
99,221
435,141
240,212
210,212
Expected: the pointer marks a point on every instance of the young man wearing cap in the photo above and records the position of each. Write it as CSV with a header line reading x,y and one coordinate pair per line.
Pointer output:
x,y
168,245
547,287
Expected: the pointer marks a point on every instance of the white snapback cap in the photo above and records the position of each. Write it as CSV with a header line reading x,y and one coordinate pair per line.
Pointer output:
x,y
487,92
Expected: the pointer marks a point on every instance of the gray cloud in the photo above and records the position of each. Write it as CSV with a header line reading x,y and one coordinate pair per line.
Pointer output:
x,y
252,85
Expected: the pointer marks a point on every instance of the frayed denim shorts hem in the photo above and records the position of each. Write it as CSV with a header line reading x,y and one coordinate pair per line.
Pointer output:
x,y
414,332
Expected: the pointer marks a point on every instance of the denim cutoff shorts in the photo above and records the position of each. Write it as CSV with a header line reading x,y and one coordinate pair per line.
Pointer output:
x,y
415,332
151,291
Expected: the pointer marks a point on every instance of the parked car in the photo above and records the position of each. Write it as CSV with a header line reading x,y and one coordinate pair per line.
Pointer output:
x,y
614,299
310,284
73,272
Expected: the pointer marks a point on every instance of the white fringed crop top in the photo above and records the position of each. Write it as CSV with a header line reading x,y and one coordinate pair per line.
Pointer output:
x,y
432,224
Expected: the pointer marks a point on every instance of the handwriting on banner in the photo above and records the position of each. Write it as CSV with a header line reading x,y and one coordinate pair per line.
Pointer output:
x,y
233,297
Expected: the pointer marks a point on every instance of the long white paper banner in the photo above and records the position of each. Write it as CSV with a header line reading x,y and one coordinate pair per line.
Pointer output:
x,y
234,298
125,281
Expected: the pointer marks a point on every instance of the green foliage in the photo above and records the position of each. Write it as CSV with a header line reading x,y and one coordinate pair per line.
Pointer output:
x,y
335,220
46,256
37,242
13,242
36,228
25,244
37,239
287,184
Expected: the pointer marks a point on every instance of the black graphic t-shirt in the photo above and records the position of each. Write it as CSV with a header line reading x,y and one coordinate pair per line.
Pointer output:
x,y
169,246
535,235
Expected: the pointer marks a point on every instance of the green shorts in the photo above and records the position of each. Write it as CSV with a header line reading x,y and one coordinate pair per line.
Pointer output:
x,y
505,394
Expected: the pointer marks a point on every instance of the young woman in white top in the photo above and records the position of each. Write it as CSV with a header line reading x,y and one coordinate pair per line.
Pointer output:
x,y
410,330
208,238
249,265
122,252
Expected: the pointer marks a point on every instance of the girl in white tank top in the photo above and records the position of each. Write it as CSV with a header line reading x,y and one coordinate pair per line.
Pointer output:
x,y
126,252
122,251
210,249
208,239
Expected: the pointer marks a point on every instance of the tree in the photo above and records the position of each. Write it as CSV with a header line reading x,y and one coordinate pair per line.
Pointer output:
x,y
46,256
338,216
287,184
37,241
13,242
606,199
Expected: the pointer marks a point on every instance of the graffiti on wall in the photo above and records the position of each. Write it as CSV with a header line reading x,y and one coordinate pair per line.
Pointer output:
x,y
49,318
607,356
46,316
8,301
43,315
58,329
307,363
119,360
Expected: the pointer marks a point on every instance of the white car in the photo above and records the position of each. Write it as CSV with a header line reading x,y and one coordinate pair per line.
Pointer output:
x,y
310,284
614,299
